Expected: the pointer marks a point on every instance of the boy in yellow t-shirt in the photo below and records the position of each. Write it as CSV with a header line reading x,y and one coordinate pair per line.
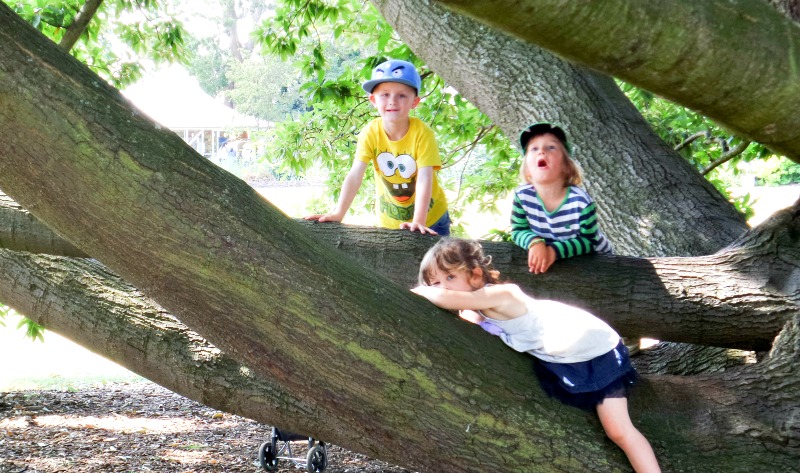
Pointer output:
x,y
404,156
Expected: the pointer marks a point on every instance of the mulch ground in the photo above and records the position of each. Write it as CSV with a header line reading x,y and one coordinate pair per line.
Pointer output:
x,y
136,427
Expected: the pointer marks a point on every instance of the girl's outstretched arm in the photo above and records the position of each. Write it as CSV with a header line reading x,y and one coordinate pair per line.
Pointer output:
x,y
503,301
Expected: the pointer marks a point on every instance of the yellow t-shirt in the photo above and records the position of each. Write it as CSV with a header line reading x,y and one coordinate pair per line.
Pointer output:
x,y
396,164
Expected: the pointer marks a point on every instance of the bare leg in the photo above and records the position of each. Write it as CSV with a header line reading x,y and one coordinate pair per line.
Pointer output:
x,y
613,413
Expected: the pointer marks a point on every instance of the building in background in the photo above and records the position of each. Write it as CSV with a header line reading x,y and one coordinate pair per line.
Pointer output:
x,y
174,99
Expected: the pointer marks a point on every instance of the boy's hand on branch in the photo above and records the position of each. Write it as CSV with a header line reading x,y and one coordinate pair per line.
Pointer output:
x,y
540,257
417,227
324,217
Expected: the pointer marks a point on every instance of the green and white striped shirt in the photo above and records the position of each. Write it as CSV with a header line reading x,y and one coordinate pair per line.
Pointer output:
x,y
572,229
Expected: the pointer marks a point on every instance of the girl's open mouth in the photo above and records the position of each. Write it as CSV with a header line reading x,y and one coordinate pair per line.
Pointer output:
x,y
541,163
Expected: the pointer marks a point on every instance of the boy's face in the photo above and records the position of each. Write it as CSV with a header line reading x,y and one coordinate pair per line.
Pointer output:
x,y
393,100
544,160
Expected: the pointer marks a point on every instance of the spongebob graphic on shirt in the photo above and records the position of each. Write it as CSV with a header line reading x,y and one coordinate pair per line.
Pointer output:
x,y
396,164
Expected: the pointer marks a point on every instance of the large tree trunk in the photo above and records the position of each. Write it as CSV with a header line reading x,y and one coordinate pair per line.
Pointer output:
x,y
675,211
733,62
735,299
396,379
81,300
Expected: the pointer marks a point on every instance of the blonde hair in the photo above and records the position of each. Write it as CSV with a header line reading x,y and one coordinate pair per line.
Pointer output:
x,y
456,254
572,173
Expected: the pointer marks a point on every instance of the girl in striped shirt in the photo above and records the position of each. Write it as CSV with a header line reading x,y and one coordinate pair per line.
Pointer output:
x,y
551,216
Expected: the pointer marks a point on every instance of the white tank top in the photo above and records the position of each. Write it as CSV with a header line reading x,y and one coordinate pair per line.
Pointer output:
x,y
556,332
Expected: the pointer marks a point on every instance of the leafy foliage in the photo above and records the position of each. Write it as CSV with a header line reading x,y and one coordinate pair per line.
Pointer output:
x,y
118,40
33,330
701,141
338,43
710,148
778,172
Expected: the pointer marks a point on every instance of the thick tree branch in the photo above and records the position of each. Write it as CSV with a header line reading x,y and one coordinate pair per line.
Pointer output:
x,y
385,365
81,300
736,64
210,250
79,24
731,299
21,231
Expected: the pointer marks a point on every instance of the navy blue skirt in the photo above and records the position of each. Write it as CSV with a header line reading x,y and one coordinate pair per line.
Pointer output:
x,y
586,383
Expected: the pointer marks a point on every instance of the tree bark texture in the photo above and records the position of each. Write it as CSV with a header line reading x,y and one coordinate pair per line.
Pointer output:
x,y
735,62
205,246
21,231
398,381
83,301
675,212
739,298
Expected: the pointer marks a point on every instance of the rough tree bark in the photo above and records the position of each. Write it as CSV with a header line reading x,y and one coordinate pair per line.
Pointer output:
x,y
684,50
206,247
736,298
21,231
81,300
516,83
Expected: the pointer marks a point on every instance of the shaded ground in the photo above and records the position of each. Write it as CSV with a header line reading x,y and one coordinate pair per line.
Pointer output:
x,y
126,427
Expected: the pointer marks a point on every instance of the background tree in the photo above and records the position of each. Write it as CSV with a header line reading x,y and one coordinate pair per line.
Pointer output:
x,y
641,53
265,88
219,47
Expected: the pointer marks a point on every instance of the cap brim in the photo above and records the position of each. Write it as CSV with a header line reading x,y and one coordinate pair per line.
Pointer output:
x,y
369,85
538,129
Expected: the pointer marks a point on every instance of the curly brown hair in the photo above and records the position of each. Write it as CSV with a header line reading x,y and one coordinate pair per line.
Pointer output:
x,y
457,254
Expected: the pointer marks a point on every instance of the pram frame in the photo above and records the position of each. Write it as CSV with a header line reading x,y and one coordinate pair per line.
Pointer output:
x,y
269,453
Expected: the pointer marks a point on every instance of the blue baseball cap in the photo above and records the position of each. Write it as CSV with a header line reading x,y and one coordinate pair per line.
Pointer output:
x,y
542,128
394,70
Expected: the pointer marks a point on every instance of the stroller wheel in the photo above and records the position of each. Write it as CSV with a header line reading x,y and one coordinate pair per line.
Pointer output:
x,y
317,460
266,456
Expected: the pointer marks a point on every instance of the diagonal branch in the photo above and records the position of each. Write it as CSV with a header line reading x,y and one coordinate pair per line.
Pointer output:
x,y
728,299
79,24
736,151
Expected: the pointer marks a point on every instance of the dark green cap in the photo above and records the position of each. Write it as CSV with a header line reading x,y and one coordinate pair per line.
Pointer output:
x,y
541,128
